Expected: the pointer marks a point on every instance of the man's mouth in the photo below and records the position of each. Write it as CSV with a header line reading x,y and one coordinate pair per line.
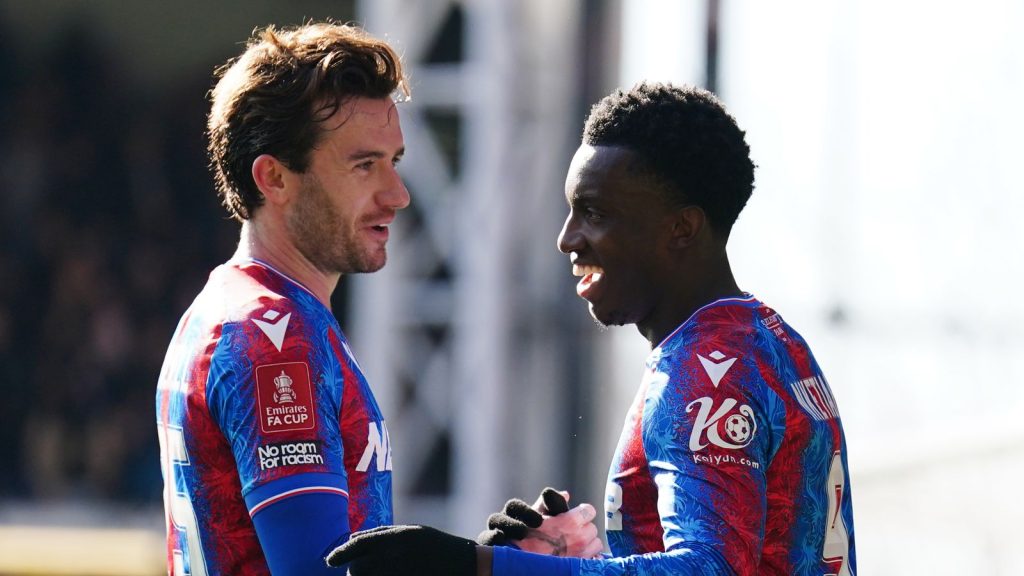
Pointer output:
x,y
379,231
591,275
380,224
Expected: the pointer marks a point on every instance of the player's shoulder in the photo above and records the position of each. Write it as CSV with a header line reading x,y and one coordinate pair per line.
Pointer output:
x,y
725,325
251,290
263,312
722,345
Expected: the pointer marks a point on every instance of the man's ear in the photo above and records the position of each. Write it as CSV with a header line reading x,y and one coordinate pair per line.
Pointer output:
x,y
272,178
688,224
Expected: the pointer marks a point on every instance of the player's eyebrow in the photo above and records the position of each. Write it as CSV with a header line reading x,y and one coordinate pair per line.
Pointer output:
x,y
584,196
375,154
365,154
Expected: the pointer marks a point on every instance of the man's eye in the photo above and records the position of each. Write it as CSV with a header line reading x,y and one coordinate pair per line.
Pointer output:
x,y
365,165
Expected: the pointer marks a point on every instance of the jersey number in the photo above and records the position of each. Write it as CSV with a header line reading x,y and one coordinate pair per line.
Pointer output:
x,y
178,507
836,550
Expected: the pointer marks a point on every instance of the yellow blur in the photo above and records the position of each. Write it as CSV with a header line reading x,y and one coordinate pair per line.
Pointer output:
x,y
34,550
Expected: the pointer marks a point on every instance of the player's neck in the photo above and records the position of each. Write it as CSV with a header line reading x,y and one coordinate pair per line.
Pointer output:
x,y
715,282
259,242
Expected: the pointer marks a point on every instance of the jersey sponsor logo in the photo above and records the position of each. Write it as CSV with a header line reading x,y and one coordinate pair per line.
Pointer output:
x,y
815,397
378,444
289,454
727,427
274,326
716,366
285,397
719,459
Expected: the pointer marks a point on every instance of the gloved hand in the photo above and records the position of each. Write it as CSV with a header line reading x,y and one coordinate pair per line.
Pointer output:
x,y
403,550
517,518
548,527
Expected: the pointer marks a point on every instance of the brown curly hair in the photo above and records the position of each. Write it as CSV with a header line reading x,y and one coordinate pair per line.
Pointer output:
x,y
273,98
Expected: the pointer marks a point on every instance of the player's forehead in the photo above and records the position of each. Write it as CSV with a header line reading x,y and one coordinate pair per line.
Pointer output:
x,y
364,123
379,112
599,172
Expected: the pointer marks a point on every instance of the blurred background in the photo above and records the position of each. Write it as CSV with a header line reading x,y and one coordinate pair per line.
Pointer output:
x,y
884,227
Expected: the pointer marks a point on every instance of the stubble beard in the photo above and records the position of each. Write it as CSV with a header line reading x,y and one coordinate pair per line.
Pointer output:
x,y
604,321
322,236
619,316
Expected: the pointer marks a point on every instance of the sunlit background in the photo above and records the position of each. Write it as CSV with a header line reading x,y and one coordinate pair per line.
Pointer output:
x,y
883,227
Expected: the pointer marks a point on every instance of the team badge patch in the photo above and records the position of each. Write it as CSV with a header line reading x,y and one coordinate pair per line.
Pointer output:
x,y
285,397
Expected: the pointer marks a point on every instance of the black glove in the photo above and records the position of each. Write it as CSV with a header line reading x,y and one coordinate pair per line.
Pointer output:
x,y
517,518
405,550
551,502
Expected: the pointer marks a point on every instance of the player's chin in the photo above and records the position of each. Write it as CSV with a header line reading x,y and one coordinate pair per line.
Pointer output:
x,y
607,317
371,260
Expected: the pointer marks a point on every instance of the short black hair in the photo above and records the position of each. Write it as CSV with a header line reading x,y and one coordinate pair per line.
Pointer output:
x,y
684,137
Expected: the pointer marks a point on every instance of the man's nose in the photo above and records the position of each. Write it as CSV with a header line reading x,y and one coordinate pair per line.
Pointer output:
x,y
396,195
569,238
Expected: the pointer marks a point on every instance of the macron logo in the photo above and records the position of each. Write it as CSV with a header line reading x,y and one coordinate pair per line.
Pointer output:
x,y
716,367
274,327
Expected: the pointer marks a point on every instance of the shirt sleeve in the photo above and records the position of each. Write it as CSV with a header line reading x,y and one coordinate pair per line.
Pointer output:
x,y
277,405
682,561
299,547
278,408
710,428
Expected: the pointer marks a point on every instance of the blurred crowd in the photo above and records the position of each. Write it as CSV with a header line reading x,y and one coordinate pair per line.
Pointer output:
x,y
109,228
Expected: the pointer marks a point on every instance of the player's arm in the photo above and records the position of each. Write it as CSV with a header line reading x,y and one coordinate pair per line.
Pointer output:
x,y
299,519
274,407
707,514
429,552
708,448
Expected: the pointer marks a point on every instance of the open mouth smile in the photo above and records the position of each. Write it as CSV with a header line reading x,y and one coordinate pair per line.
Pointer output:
x,y
591,276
